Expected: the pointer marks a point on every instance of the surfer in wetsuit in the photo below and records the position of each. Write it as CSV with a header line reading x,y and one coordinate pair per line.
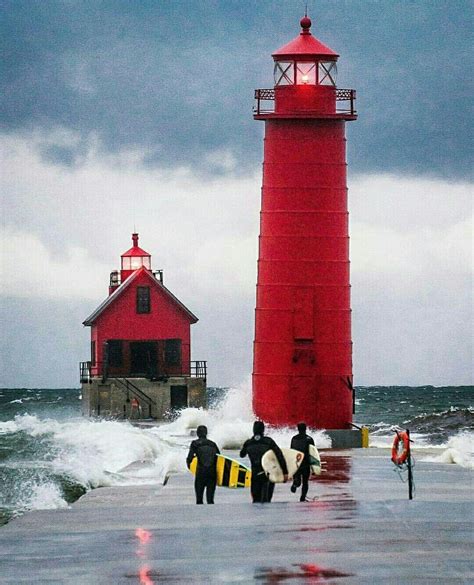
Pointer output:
x,y
301,442
206,452
261,487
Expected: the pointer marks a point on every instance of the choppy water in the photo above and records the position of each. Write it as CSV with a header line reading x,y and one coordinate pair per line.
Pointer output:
x,y
50,455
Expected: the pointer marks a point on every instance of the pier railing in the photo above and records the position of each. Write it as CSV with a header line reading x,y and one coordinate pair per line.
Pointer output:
x,y
265,101
194,369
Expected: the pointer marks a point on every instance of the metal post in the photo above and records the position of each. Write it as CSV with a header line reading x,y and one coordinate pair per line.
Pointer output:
x,y
410,474
105,361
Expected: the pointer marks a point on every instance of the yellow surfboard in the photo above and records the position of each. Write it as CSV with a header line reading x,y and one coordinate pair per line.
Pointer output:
x,y
230,473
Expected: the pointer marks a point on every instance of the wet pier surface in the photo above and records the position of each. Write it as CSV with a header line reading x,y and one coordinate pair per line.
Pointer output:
x,y
360,528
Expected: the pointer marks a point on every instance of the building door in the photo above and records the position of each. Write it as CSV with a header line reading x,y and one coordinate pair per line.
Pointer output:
x,y
143,358
179,397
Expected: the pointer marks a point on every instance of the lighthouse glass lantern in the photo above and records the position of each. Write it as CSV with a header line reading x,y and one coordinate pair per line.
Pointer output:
x,y
134,259
136,262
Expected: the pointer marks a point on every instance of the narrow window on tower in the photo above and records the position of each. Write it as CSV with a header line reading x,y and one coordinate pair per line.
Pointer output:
x,y
143,299
92,353
303,316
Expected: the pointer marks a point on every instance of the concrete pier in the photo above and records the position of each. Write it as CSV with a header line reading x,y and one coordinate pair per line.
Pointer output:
x,y
360,529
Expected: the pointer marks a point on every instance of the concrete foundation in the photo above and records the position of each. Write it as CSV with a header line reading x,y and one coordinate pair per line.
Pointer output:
x,y
111,398
348,438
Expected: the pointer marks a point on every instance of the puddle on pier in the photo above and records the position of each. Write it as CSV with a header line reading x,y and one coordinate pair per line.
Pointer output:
x,y
311,573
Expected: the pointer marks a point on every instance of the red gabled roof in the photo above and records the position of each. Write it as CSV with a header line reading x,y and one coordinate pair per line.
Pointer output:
x,y
117,293
305,45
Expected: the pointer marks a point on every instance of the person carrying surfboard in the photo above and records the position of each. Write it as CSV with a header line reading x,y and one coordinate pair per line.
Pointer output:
x,y
261,487
206,452
301,442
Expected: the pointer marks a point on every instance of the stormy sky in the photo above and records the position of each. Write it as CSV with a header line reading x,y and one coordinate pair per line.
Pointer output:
x,y
118,115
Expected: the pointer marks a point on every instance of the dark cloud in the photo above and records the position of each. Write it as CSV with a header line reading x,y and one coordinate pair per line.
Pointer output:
x,y
43,349
177,77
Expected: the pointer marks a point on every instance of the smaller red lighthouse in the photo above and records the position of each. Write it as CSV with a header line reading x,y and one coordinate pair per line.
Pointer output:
x,y
141,346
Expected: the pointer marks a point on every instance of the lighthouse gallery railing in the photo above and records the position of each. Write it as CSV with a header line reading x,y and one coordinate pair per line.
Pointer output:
x,y
263,96
196,369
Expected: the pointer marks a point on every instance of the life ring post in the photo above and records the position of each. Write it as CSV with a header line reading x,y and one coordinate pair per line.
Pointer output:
x,y
409,466
402,438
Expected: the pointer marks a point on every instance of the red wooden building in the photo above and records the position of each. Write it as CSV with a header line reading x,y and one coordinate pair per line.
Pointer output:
x,y
141,341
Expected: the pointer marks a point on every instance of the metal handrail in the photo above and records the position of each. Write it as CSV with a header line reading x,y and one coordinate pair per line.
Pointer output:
x,y
342,95
131,387
85,372
136,391
196,369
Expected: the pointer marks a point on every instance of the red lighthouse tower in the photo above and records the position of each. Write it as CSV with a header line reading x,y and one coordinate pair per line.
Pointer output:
x,y
302,350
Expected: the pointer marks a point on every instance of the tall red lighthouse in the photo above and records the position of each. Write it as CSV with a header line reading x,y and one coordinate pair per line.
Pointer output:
x,y
302,366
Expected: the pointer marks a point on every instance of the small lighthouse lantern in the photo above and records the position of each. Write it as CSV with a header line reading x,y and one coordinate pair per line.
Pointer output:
x,y
305,61
305,74
131,261
134,259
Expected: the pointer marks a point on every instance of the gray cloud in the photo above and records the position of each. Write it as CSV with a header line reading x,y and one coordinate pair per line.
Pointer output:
x,y
66,228
120,112
177,78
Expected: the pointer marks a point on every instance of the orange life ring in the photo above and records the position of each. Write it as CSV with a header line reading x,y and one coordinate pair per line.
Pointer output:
x,y
400,458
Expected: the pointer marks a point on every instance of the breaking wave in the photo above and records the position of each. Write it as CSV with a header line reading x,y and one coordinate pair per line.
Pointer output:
x,y
53,462
50,456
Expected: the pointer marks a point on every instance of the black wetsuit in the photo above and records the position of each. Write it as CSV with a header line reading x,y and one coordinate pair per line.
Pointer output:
x,y
206,452
261,488
301,442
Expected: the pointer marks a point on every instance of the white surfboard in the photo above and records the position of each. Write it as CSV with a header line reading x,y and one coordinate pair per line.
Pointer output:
x,y
272,468
314,460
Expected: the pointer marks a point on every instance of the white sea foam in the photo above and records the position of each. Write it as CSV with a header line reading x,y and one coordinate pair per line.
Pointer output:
x,y
8,426
97,453
458,450
45,496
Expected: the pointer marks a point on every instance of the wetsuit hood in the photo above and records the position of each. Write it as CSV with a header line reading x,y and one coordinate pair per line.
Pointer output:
x,y
258,427
201,431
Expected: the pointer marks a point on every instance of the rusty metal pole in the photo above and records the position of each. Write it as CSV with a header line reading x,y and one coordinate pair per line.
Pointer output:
x,y
409,466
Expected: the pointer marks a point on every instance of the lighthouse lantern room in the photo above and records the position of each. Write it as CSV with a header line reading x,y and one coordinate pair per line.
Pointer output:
x,y
140,365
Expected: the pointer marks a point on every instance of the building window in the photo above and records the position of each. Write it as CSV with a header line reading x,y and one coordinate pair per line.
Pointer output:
x,y
115,353
143,299
93,353
173,352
